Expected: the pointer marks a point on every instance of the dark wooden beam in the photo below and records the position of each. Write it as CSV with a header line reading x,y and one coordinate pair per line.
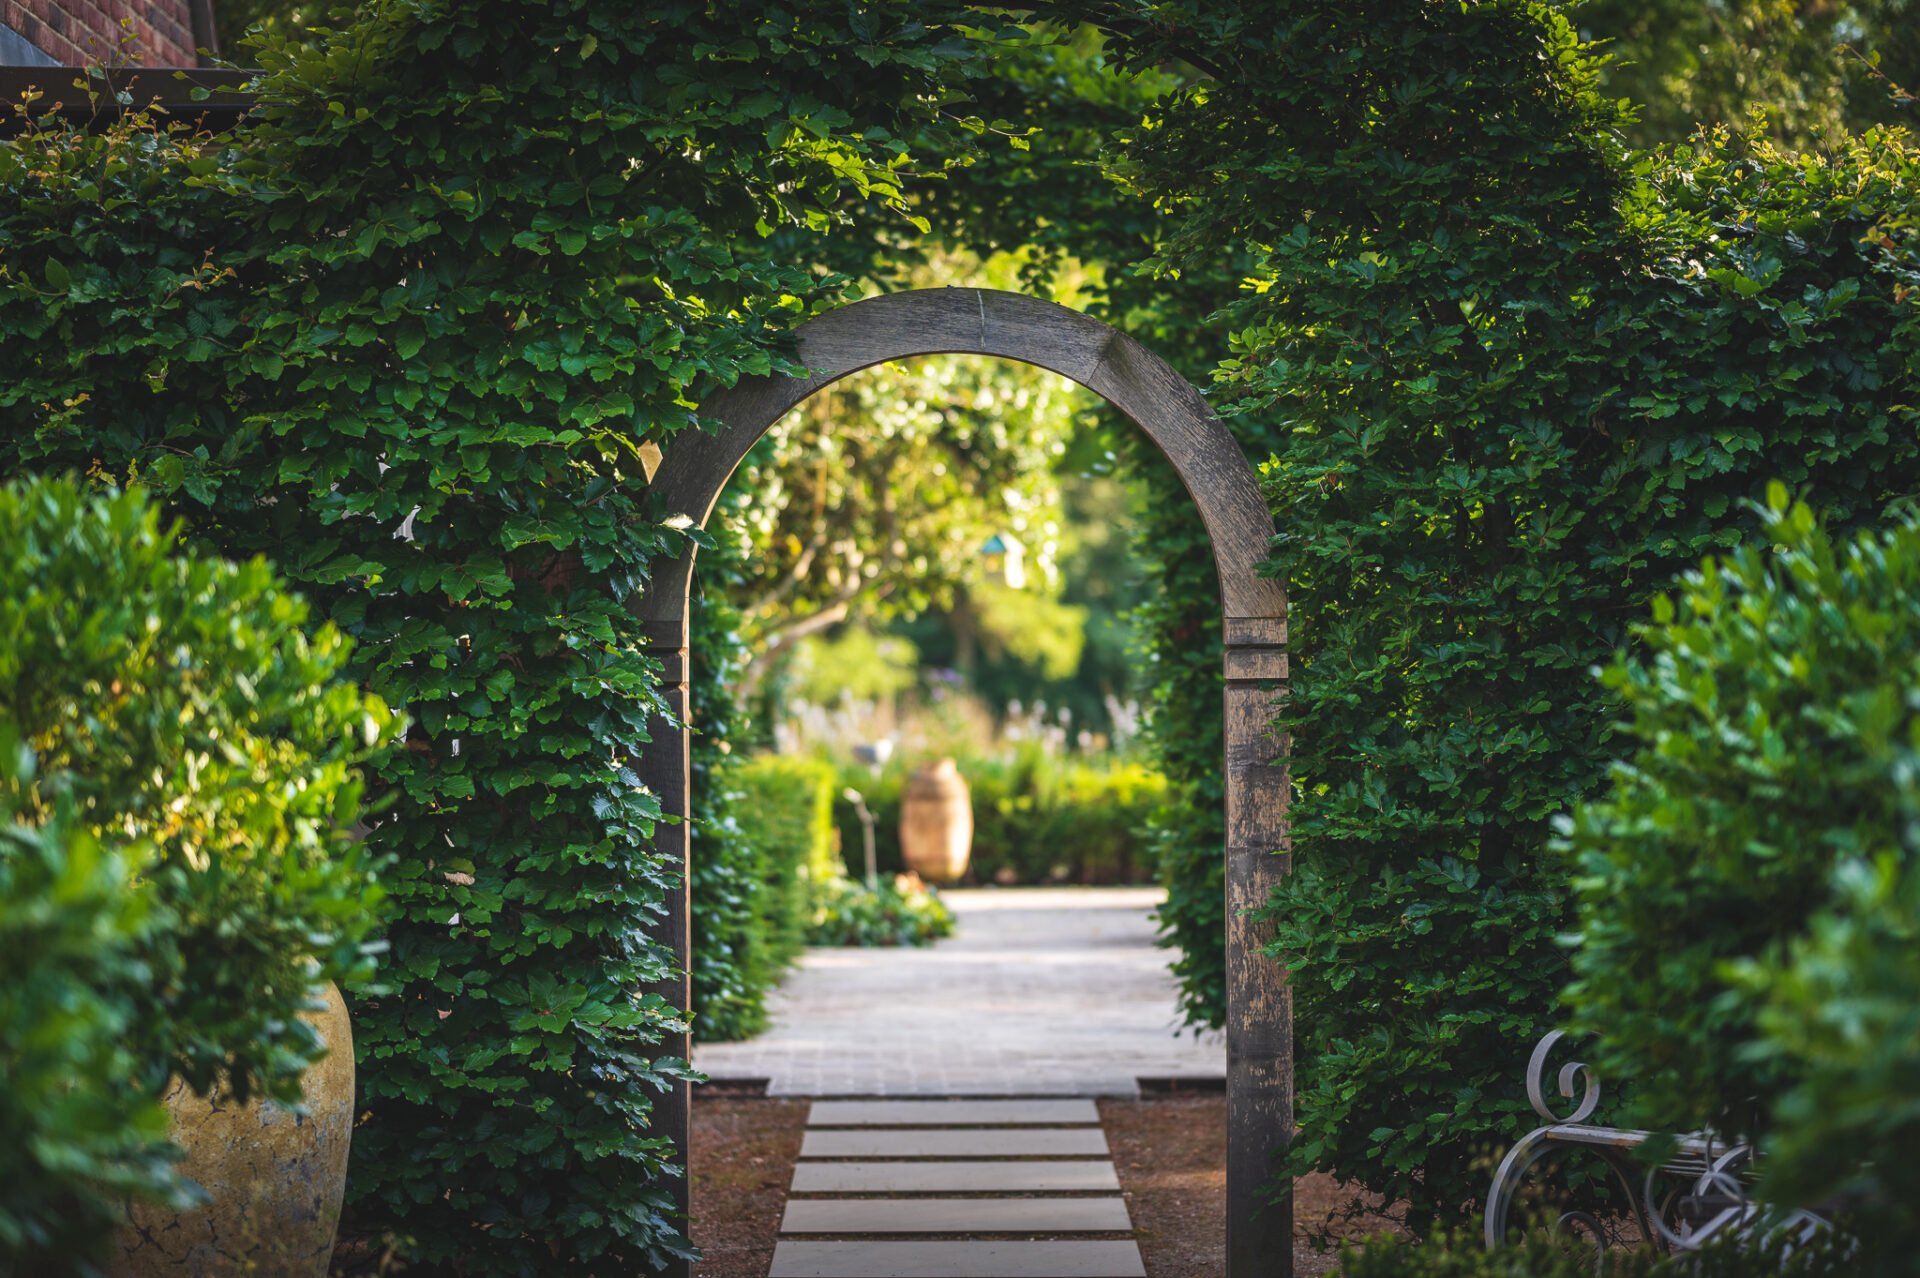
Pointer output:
x,y
97,95
206,36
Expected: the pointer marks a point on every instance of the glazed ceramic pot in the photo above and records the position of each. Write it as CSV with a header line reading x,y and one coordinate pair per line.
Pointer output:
x,y
275,1179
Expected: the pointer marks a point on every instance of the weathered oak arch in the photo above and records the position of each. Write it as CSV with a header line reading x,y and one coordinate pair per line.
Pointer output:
x,y
696,467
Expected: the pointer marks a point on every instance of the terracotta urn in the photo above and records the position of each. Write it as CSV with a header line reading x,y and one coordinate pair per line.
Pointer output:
x,y
274,1178
936,823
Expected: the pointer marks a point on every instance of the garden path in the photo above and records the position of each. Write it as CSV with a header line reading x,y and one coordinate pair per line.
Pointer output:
x,y
954,1188
1041,991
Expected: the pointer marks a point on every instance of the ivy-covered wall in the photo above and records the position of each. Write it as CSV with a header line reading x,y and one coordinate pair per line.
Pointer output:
x,y
404,335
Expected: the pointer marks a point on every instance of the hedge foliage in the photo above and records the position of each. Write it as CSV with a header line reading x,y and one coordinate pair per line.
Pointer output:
x,y
1746,885
405,333
1038,816
1518,381
181,866
1515,379
735,962
786,814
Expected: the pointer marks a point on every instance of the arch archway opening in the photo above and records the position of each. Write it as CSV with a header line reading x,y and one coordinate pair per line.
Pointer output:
x,y
696,467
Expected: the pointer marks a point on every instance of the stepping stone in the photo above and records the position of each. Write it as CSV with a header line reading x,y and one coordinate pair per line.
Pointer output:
x,y
955,1216
950,1113
1005,1142
972,1259
952,1178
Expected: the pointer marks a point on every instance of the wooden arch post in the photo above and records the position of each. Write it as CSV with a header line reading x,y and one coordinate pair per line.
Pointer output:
x,y
696,467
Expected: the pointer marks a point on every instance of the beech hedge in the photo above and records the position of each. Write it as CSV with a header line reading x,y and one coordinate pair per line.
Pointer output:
x,y
1517,380
406,332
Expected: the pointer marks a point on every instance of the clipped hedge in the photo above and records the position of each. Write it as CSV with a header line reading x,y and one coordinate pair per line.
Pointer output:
x,y
785,812
181,869
734,963
415,363
1037,817
1746,885
1517,381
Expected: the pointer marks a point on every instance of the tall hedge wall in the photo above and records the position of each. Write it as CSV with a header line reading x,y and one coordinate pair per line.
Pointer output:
x,y
1518,380
403,334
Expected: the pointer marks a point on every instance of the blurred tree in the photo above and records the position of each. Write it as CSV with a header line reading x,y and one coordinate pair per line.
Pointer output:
x,y
232,19
877,497
1818,67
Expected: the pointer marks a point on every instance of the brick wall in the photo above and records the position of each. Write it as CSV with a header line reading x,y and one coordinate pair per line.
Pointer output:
x,y
157,33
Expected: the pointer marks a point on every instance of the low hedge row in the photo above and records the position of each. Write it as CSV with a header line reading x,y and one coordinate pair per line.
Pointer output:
x,y
1038,817
775,883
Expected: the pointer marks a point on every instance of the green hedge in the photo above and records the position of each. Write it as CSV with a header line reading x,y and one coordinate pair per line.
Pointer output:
x,y
785,811
734,963
1517,381
181,871
350,320
1746,891
1037,817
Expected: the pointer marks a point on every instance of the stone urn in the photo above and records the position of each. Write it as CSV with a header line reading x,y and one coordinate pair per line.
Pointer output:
x,y
274,1178
936,823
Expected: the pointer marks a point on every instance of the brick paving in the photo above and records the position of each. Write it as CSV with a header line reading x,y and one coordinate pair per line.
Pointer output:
x,y
1041,991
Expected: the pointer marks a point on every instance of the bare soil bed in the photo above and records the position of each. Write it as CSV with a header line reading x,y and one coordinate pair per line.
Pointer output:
x,y
1171,1156
744,1148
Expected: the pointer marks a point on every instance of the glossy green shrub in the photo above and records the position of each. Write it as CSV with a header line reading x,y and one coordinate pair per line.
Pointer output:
x,y
180,870
1746,886
80,1136
180,701
1837,1011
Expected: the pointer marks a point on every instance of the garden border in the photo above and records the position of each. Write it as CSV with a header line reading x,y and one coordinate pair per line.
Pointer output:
x,y
695,467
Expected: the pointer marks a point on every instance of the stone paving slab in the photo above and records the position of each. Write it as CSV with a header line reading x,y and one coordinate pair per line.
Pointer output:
x,y
982,1176
950,1113
970,1259
955,1216
1041,991
1002,1142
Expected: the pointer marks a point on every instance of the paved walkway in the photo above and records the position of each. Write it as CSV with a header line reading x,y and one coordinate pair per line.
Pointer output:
x,y
1041,991
955,1189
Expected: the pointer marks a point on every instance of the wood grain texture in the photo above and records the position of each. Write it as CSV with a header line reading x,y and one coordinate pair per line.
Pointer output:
x,y
665,767
694,469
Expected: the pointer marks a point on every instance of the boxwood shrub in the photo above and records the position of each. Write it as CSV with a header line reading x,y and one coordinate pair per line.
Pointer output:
x,y
179,765
1747,885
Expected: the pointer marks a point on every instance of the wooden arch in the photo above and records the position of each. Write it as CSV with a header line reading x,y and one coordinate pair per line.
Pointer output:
x,y
695,468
